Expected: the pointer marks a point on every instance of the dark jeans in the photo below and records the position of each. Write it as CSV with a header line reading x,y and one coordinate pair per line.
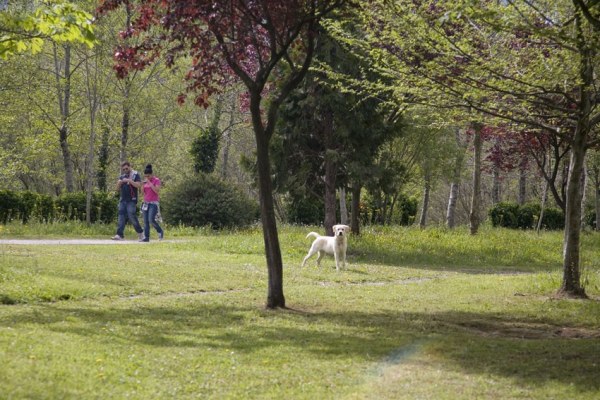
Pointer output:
x,y
150,218
127,211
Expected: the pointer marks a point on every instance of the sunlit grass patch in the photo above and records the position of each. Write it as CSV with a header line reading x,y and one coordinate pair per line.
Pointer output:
x,y
417,314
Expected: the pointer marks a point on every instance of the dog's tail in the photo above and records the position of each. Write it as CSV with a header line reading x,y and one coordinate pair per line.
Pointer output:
x,y
314,234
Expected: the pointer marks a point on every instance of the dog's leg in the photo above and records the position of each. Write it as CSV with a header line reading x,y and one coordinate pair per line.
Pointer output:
x,y
311,253
321,254
337,261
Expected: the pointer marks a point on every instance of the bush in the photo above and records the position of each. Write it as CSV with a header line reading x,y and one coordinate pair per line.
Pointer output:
x,y
71,206
205,200
590,219
10,205
307,211
407,209
511,215
554,219
504,214
528,216
26,205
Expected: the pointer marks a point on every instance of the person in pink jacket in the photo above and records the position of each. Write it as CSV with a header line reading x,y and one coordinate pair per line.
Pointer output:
x,y
150,206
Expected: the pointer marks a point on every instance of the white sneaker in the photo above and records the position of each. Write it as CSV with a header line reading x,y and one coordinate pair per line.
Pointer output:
x,y
141,236
116,237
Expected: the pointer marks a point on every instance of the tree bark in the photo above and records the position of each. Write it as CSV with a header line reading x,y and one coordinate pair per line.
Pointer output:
x,y
343,207
64,101
474,216
275,298
125,121
597,206
455,185
522,182
355,209
496,185
330,173
571,282
425,204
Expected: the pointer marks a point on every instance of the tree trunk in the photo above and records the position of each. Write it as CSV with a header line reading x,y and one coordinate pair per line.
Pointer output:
x,y
103,159
227,140
474,216
343,207
125,121
355,209
455,185
425,204
63,87
571,283
584,181
597,206
522,183
495,185
275,298
330,174
93,103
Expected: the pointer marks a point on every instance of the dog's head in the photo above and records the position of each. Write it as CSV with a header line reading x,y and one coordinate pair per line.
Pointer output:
x,y
341,230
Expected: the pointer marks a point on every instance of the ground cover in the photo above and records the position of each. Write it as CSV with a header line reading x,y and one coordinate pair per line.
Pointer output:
x,y
417,314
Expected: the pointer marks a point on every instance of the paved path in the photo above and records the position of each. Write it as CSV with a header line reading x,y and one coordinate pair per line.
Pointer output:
x,y
67,241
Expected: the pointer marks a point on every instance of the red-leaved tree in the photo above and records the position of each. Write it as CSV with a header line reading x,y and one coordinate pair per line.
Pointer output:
x,y
266,44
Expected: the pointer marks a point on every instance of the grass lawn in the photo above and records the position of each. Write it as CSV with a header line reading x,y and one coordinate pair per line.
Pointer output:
x,y
418,314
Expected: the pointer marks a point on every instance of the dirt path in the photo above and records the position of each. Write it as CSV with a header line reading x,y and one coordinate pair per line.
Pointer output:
x,y
67,241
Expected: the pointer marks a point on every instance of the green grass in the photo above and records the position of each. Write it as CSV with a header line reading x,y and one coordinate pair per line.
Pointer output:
x,y
417,314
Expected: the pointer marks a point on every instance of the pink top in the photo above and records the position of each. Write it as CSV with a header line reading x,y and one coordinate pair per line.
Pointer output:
x,y
149,193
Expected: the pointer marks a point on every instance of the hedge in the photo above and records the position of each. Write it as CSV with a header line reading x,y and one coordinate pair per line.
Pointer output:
x,y
26,205
511,215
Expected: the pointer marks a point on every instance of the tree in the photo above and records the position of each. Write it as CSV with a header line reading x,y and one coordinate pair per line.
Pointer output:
x,y
528,63
246,40
57,21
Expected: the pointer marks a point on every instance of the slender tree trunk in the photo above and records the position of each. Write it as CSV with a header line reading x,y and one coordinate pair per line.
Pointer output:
x,y
522,183
425,204
584,181
495,185
474,216
343,206
355,209
125,121
63,83
103,159
330,174
227,140
571,283
93,103
597,205
543,206
275,298
390,214
455,185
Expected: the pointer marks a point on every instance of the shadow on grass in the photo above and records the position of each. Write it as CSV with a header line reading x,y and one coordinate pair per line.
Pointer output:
x,y
531,353
471,261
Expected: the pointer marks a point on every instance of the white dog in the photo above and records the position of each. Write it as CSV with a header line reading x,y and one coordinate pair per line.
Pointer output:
x,y
335,245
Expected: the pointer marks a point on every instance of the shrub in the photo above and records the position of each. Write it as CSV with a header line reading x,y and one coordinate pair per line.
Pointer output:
x,y
504,214
407,209
10,205
511,215
528,216
590,219
72,206
554,219
205,200
303,210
